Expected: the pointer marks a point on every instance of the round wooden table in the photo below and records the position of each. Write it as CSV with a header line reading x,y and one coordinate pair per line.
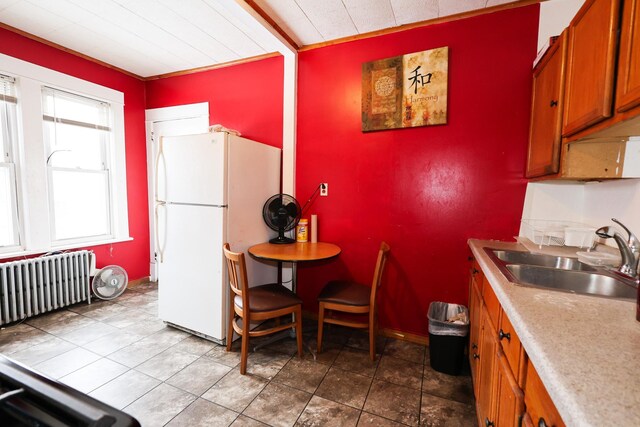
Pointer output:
x,y
294,253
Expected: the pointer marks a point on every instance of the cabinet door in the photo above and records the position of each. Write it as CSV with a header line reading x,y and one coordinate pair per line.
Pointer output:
x,y
526,420
486,380
545,133
510,344
475,302
475,310
539,405
628,95
589,86
509,397
491,304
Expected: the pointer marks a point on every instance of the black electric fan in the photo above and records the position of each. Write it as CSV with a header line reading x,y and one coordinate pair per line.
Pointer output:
x,y
281,213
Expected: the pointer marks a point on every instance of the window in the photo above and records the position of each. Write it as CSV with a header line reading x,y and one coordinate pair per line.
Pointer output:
x,y
78,136
9,225
63,181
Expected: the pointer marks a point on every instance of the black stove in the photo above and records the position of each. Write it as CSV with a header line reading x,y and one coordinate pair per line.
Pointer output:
x,y
30,399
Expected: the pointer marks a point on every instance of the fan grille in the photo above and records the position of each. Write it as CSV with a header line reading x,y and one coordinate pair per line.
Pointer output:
x,y
110,282
281,213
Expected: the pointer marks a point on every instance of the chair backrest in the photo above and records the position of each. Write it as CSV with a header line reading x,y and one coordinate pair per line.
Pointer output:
x,y
237,271
377,274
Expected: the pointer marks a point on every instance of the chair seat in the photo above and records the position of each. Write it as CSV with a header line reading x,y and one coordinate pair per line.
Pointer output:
x,y
268,298
345,292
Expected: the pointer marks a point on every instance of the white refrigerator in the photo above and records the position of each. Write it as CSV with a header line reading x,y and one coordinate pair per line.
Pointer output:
x,y
210,189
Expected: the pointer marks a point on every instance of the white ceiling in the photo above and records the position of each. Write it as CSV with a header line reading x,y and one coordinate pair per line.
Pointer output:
x,y
153,37
312,21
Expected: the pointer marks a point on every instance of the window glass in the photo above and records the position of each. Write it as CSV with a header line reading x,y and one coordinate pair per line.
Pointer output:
x,y
78,135
8,225
80,204
67,106
75,146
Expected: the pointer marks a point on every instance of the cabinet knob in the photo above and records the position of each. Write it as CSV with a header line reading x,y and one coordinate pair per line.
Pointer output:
x,y
476,356
501,335
488,423
474,346
475,271
541,422
554,103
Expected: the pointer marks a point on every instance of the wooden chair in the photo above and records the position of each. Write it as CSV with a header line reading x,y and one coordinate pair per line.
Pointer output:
x,y
351,297
256,304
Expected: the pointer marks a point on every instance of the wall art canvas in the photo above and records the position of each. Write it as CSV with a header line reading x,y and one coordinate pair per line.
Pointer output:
x,y
405,91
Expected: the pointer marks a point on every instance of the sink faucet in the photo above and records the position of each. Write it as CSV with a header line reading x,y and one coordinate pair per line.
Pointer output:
x,y
629,248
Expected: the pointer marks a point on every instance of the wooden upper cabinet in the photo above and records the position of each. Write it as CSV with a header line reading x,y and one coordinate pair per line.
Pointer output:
x,y
545,133
591,61
628,92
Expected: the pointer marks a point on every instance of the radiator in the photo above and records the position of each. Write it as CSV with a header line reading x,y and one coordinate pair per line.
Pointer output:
x,y
38,285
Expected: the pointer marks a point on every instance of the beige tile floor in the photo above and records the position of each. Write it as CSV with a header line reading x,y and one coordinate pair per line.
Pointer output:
x,y
122,354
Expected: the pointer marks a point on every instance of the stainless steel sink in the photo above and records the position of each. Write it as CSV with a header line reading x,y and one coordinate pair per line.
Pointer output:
x,y
572,281
564,263
561,274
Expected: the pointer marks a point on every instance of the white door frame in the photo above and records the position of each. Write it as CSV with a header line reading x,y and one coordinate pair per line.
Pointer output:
x,y
199,115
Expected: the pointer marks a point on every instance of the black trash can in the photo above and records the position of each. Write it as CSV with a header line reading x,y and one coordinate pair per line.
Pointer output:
x,y
448,330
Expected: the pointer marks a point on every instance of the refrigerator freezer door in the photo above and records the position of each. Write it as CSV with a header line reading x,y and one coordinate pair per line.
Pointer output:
x,y
191,169
192,291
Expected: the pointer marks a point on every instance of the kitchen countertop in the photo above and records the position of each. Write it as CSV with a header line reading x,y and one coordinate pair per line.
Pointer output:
x,y
586,349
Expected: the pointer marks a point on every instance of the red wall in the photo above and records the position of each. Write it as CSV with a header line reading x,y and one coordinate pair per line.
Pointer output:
x,y
246,97
134,255
423,190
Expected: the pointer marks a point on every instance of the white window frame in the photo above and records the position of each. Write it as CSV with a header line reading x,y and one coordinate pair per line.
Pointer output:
x,y
8,161
16,218
105,172
32,172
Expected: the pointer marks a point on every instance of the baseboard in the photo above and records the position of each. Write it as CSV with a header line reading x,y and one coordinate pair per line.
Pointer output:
x,y
385,332
405,336
142,280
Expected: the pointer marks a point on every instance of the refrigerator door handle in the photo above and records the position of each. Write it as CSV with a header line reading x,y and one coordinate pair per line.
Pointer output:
x,y
159,246
159,156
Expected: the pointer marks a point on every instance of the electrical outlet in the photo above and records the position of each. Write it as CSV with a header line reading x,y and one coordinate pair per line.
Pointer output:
x,y
324,189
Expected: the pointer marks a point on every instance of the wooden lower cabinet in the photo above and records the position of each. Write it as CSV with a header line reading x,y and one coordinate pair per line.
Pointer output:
x,y
486,378
475,310
499,399
475,298
540,407
510,343
509,397
491,303
507,388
